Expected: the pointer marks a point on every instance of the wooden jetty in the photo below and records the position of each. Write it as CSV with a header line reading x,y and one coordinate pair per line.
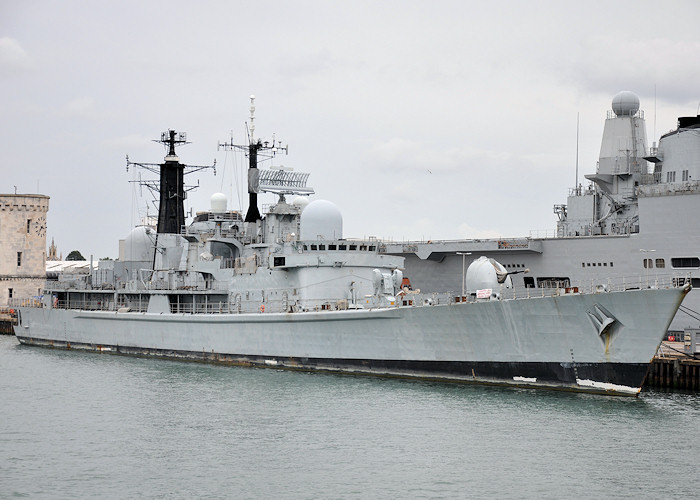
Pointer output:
x,y
673,369
7,321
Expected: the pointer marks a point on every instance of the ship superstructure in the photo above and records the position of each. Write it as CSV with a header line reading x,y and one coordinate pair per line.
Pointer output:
x,y
609,204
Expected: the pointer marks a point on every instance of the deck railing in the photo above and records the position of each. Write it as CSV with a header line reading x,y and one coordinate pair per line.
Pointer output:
x,y
198,303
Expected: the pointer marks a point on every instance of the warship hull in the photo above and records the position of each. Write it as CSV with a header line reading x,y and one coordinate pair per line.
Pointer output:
x,y
600,343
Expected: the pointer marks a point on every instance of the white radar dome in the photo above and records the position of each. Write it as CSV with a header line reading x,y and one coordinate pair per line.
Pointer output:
x,y
301,202
218,203
625,103
321,219
139,244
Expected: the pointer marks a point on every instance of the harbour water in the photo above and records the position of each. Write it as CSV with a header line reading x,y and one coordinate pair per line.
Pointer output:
x,y
97,425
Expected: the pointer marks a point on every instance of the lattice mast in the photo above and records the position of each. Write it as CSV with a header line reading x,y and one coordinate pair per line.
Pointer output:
x,y
255,148
171,185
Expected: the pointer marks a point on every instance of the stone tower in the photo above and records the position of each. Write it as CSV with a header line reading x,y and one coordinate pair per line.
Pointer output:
x,y
22,246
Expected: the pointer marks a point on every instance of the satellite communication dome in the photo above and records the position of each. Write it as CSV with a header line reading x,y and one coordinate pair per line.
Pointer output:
x,y
625,103
139,244
321,219
218,203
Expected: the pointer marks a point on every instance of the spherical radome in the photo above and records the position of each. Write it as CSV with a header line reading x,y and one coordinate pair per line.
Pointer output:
x,y
321,219
625,103
301,202
219,202
139,244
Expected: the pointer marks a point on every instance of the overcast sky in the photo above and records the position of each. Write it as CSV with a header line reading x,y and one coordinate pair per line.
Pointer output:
x,y
420,120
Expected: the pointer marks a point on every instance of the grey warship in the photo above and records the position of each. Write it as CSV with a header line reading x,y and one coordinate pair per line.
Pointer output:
x,y
287,290
635,217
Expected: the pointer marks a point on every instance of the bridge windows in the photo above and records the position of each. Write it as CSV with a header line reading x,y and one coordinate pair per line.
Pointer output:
x,y
344,247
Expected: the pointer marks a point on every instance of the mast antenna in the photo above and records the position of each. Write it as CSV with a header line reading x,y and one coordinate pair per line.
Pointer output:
x,y
252,119
577,134
254,149
654,115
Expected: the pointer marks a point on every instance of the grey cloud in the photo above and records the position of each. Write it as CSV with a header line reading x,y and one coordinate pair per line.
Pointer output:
x,y
13,58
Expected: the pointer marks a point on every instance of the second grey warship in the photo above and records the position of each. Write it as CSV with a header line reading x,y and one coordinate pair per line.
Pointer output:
x,y
636,217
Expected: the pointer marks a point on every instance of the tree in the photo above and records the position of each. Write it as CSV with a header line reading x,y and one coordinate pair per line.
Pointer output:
x,y
75,255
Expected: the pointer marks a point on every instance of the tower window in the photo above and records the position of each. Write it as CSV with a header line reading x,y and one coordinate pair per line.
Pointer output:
x,y
19,259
